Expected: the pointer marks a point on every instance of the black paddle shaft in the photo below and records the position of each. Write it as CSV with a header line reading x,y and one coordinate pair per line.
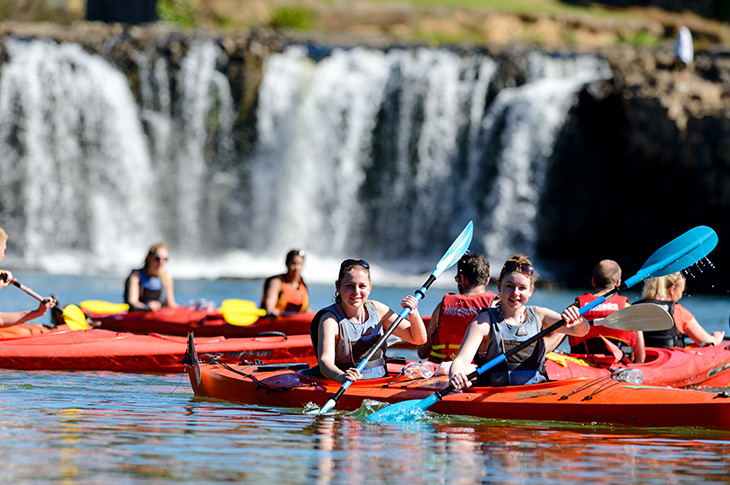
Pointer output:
x,y
523,345
32,293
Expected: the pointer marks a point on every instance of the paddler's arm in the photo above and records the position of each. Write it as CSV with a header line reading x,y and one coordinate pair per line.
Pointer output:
x,y
169,292
16,318
272,289
328,332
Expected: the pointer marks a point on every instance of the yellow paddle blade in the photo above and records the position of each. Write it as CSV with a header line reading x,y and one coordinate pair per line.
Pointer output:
x,y
241,306
241,319
101,306
75,318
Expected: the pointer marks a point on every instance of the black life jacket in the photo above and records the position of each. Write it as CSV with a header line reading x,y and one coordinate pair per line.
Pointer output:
x,y
663,339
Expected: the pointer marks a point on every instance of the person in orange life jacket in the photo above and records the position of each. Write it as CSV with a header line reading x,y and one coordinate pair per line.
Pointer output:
x,y
511,322
606,277
151,287
454,313
666,292
287,293
8,319
348,329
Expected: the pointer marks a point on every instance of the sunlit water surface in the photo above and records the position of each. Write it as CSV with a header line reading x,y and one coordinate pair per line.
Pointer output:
x,y
101,427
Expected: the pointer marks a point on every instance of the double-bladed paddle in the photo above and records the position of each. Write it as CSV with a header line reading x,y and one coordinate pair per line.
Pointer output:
x,y
674,256
452,255
72,315
235,312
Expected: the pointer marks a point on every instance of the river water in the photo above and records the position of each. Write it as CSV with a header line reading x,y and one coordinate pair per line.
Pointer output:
x,y
101,427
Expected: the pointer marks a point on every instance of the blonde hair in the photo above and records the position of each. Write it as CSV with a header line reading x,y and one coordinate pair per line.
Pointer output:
x,y
3,235
657,288
152,253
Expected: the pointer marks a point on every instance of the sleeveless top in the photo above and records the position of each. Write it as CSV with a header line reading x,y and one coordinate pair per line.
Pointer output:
x,y
355,341
456,313
671,337
526,366
591,343
150,287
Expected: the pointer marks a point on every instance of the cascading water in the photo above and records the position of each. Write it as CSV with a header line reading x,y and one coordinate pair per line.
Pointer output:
x,y
362,152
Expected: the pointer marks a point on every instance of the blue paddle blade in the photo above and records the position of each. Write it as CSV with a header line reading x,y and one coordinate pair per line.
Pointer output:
x,y
456,251
677,255
404,411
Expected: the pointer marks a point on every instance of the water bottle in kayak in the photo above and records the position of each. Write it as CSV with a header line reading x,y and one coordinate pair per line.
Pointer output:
x,y
418,370
632,376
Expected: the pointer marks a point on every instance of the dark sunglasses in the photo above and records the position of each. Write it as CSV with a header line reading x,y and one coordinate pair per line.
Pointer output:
x,y
160,259
524,268
354,262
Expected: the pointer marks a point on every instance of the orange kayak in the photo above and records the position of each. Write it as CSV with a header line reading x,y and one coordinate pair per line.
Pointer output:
x,y
687,367
204,323
581,400
97,349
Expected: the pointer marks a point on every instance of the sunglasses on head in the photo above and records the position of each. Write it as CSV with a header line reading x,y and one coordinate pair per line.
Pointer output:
x,y
355,262
524,268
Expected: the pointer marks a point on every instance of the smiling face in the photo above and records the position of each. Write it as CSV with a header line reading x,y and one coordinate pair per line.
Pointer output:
x,y
354,288
515,290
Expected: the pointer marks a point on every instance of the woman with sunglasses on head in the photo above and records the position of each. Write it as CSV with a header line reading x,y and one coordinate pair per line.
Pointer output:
x,y
287,293
497,330
346,331
150,287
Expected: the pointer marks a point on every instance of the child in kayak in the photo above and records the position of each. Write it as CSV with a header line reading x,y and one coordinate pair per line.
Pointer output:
x,y
606,277
511,322
348,329
8,319
287,293
666,292
454,313
150,287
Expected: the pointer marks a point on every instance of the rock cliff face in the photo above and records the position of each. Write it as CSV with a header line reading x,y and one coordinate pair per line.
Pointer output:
x,y
644,157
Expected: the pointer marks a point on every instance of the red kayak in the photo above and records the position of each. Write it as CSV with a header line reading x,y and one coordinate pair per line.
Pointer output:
x,y
97,349
688,367
583,400
204,323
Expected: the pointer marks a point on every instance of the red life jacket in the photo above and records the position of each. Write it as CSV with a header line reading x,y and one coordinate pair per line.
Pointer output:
x,y
617,302
457,312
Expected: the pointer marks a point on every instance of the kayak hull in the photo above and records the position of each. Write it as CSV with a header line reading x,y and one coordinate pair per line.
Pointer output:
x,y
687,367
580,400
203,322
98,349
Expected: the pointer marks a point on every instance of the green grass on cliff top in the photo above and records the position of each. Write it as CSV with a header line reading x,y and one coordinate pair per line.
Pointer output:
x,y
556,7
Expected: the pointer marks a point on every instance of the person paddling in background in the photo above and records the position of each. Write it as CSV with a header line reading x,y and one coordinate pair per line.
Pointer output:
x,y
511,322
8,319
347,330
151,287
666,292
287,293
606,277
454,313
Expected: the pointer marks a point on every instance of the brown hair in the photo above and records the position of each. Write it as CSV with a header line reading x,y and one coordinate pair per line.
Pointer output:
x,y
523,262
475,269
347,266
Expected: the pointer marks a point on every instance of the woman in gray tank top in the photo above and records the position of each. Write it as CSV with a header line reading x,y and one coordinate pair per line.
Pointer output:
x,y
347,330
495,331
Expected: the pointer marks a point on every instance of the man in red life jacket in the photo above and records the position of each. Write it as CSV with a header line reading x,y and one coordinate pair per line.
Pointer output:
x,y
607,276
454,313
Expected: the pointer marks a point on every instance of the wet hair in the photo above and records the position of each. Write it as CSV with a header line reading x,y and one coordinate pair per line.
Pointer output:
x,y
475,268
606,274
523,262
656,288
347,266
3,235
293,253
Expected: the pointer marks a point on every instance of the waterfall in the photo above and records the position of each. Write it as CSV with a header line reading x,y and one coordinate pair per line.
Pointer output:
x,y
382,154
